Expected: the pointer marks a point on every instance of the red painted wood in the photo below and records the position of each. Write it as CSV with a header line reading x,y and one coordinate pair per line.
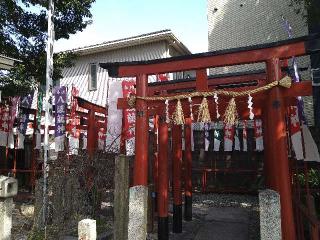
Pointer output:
x,y
213,82
277,152
267,147
188,158
91,106
220,60
92,138
156,152
201,80
177,163
163,175
297,89
123,138
140,176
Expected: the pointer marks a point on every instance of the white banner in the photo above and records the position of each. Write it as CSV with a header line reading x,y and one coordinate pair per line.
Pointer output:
x,y
311,149
114,123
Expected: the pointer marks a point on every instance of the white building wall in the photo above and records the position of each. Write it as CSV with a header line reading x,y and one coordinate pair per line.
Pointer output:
x,y
78,75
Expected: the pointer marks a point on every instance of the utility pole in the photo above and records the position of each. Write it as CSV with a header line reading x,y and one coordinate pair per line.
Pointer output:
x,y
48,106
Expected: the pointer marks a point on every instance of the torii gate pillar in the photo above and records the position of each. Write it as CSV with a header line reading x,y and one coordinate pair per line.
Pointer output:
x,y
163,184
142,126
278,163
188,171
177,173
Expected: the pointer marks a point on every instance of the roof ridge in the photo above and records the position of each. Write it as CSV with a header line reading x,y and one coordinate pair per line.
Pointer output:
x,y
164,31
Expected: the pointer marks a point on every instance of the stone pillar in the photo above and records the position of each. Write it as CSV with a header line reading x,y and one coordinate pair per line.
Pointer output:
x,y
121,198
270,216
6,206
138,204
87,229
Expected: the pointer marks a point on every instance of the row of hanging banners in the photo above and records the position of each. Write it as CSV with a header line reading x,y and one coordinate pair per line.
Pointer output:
x,y
66,126
300,134
110,137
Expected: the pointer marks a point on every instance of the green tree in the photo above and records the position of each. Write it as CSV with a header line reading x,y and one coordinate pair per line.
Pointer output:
x,y
23,35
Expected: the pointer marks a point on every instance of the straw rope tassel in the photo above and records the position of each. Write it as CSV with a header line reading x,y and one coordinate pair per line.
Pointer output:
x,y
131,101
215,96
230,115
167,111
178,117
190,105
250,103
285,82
204,114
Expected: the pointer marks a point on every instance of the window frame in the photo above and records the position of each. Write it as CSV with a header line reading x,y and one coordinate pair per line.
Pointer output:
x,y
91,87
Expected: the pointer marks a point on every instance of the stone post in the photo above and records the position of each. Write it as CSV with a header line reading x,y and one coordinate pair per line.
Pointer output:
x,y
6,206
121,198
138,204
8,189
270,215
87,229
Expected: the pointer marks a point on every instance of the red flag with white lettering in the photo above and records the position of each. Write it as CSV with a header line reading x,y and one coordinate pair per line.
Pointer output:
x,y
258,134
295,131
228,137
4,125
162,77
128,88
244,137
101,138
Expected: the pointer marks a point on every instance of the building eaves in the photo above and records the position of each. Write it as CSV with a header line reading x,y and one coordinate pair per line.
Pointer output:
x,y
165,35
6,63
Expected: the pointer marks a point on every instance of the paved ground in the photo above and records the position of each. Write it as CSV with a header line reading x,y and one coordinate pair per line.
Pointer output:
x,y
217,224
220,217
225,223
215,216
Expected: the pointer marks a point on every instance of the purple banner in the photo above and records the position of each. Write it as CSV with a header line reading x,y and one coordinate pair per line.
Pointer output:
x,y
13,111
296,77
60,113
23,122
26,101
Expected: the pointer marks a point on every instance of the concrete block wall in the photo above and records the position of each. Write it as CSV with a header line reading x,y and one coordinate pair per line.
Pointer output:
x,y
240,23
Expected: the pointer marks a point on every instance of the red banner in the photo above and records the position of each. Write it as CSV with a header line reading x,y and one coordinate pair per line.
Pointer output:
x,y
13,111
258,128
101,138
228,131
4,118
162,77
129,114
74,120
294,120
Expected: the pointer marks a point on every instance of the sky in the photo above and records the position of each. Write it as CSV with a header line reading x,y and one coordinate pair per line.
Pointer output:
x,y
115,19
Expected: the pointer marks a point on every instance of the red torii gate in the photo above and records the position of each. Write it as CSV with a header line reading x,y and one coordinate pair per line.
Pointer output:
x,y
272,101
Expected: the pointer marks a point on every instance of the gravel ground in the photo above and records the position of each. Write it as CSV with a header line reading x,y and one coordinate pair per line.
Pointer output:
x,y
248,202
201,203
22,220
23,215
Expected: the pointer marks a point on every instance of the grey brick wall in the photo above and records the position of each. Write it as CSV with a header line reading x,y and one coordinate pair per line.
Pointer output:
x,y
240,23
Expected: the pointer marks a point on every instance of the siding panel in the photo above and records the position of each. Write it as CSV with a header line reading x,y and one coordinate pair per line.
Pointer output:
x,y
78,75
